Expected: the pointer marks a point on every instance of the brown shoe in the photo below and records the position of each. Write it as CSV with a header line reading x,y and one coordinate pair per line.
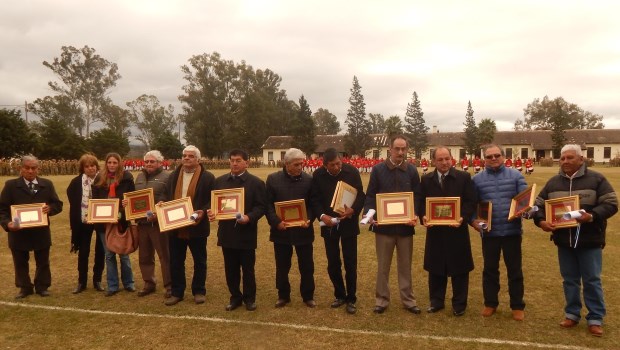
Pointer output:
x,y
488,311
172,301
568,323
596,330
199,298
145,292
282,302
518,315
310,303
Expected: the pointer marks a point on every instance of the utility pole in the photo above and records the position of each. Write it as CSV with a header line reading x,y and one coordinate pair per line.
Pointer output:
x,y
26,110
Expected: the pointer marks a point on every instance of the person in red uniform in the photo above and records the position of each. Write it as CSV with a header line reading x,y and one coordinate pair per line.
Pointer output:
x,y
454,163
529,166
508,163
519,164
465,163
477,164
424,164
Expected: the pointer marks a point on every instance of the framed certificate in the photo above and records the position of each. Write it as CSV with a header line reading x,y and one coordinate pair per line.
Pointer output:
x,y
485,212
225,204
522,202
394,208
556,208
174,214
345,195
102,211
139,203
292,213
29,215
443,210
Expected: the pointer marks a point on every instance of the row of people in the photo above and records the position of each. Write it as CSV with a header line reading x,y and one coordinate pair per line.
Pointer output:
x,y
447,250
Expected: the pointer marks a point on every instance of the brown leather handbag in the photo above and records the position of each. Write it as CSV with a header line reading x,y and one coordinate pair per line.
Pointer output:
x,y
121,242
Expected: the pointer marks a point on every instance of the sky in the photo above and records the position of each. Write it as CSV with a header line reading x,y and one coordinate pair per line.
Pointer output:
x,y
500,55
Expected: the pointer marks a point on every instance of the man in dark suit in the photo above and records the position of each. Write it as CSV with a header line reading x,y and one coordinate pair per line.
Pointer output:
x,y
448,250
238,237
29,189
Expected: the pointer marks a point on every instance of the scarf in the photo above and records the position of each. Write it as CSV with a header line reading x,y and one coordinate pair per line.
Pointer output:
x,y
183,233
112,190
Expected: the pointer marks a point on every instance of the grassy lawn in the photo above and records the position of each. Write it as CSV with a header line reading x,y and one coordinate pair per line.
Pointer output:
x,y
187,325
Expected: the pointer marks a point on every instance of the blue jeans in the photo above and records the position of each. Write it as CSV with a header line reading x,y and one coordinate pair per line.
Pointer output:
x,y
577,266
112,270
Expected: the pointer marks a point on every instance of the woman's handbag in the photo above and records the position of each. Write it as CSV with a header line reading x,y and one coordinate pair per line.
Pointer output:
x,y
121,242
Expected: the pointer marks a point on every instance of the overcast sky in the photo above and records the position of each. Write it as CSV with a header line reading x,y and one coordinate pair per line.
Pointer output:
x,y
500,55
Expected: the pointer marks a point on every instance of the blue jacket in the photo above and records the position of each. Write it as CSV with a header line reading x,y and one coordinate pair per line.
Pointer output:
x,y
499,186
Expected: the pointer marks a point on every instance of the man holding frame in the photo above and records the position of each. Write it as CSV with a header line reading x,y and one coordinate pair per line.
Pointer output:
x,y
580,249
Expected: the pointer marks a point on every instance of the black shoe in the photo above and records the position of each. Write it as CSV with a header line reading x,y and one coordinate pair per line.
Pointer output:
x,y
351,309
98,286
282,302
337,303
79,289
458,313
414,310
250,306
310,303
130,289
43,293
233,305
379,309
23,293
111,293
433,309
145,292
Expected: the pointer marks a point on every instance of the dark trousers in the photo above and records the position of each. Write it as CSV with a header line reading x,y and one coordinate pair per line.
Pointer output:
x,y
492,248
305,262
236,261
437,285
42,275
334,266
178,252
85,234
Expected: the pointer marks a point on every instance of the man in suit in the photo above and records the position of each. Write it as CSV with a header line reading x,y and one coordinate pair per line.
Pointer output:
x,y
448,250
29,188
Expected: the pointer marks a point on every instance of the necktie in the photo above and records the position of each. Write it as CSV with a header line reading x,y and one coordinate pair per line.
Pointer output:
x,y
443,177
31,187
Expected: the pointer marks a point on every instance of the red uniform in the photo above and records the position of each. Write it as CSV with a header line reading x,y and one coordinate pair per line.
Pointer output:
x,y
465,163
519,164
508,162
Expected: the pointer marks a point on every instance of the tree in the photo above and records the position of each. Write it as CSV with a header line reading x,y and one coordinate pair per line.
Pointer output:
x,y
377,123
472,145
537,115
393,126
357,140
326,123
168,144
85,78
116,119
303,130
486,131
104,141
415,127
17,138
57,139
60,107
151,118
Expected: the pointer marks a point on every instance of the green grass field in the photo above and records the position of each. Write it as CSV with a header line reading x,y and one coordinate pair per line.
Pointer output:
x,y
90,320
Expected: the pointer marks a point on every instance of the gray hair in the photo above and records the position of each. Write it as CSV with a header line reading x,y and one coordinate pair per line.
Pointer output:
x,y
293,153
572,147
193,149
155,154
29,158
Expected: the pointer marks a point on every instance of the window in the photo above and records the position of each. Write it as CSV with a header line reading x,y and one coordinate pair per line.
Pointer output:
x,y
270,156
375,154
462,153
508,152
606,152
282,155
524,153
590,152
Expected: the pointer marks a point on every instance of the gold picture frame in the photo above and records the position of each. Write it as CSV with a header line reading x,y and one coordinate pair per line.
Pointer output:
x,y
522,202
225,204
292,213
345,194
174,214
29,215
557,207
395,208
102,211
139,203
443,210
485,212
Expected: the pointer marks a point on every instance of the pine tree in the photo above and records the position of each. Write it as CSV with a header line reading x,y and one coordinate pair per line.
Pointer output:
x,y
415,127
304,129
357,140
472,145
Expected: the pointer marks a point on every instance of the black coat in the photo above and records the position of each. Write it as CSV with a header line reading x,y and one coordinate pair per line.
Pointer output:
x,y
283,187
231,234
125,185
448,249
15,192
323,188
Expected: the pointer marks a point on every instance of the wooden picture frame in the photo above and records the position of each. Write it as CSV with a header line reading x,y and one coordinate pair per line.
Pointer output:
x,y
395,208
443,210
225,204
292,213
522,202
485,212
29,215
557,207
174,214
139,203
345,195
102,211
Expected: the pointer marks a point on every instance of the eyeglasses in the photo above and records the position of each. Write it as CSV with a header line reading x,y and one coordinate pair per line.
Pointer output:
x,y
493,156
150,161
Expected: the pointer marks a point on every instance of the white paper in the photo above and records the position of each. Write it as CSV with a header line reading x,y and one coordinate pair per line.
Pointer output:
x,y
395,208
103,211
175,214
368,217
29,216
575,214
